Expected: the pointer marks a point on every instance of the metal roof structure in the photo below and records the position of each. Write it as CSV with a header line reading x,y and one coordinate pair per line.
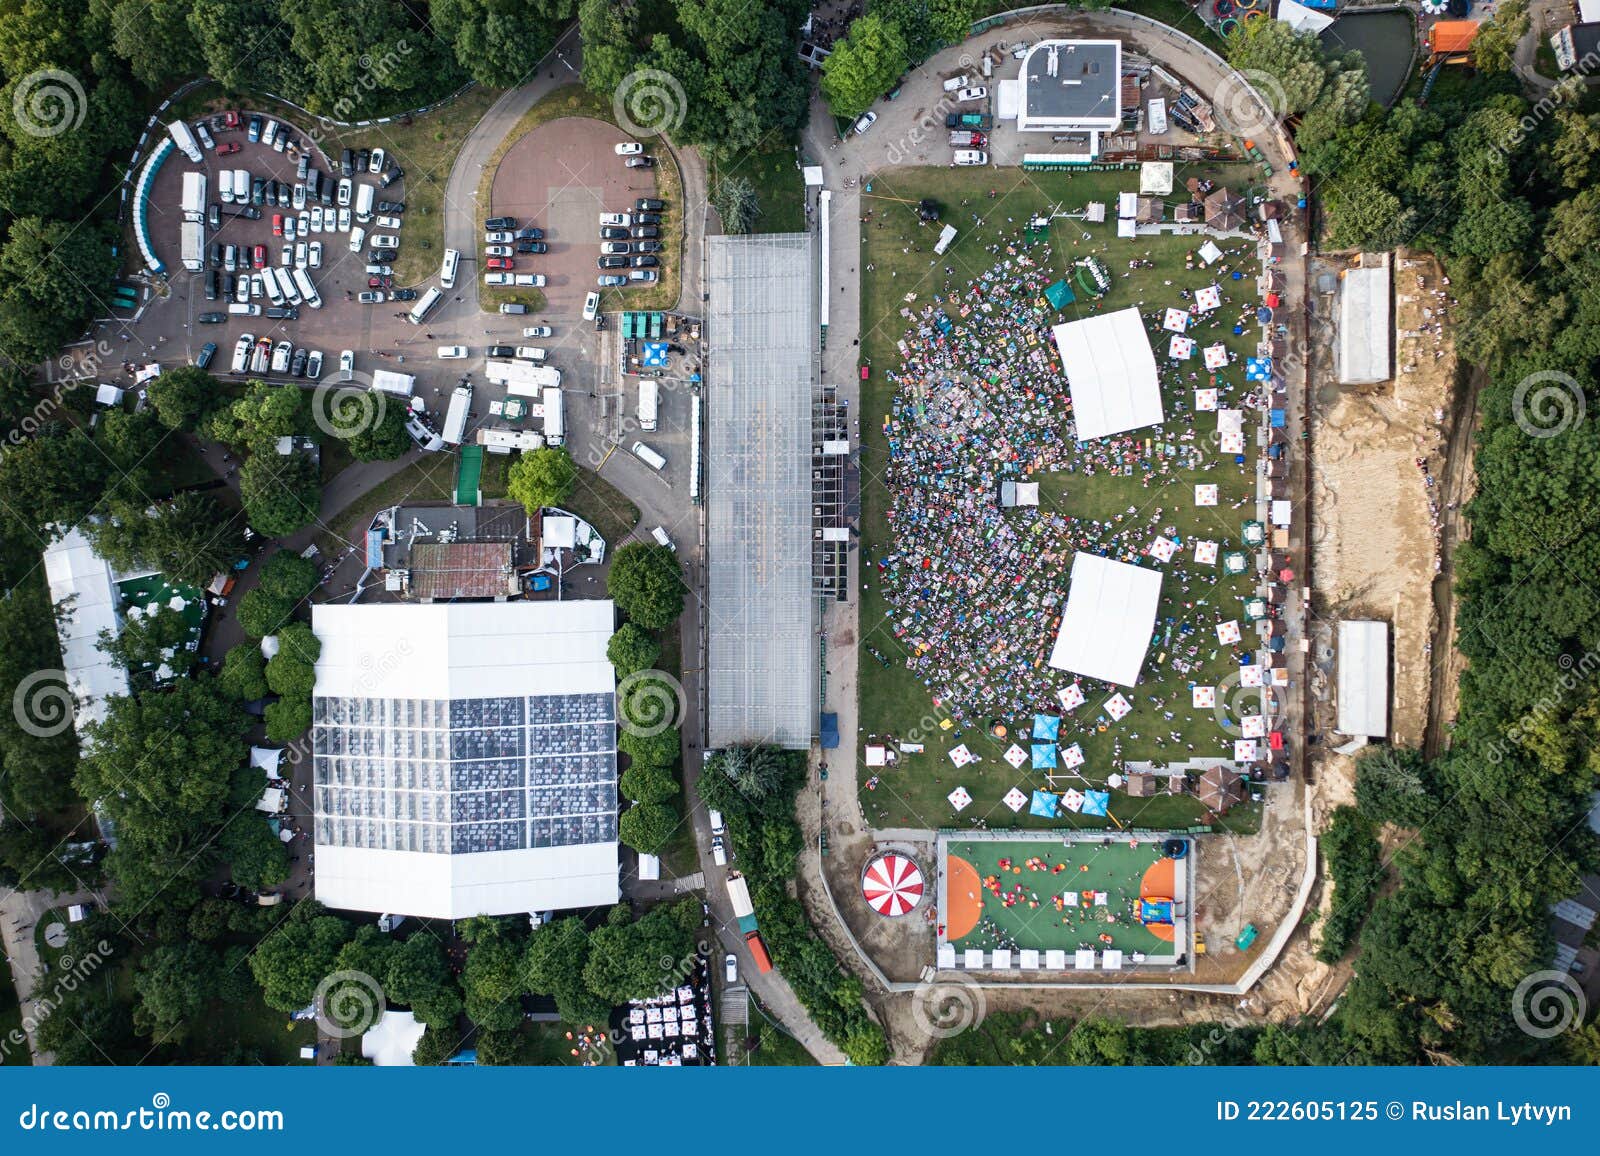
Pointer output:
x,y
465,757
762,373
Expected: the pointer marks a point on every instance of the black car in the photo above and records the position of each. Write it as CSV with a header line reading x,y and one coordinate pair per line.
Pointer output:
x,y
216,254
501,351
404,295
390,176
347,163
647,219
213,284
284,198
211,318
613,262
248,213
647,246
395,207
362,157
283,313
495,224
647,232
613,233
530,234
258,191
384,256
230,282
214,216
646,262
532,247
325,192
649,204
297,364
207,352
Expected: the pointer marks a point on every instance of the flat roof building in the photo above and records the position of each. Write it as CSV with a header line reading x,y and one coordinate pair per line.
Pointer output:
x,y
465,758
1071,86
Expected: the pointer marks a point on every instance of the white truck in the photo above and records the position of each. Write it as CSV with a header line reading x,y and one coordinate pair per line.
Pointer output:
x,y
455,418
649,399
194,196
555,424
364,196
183,136
522,378
194,245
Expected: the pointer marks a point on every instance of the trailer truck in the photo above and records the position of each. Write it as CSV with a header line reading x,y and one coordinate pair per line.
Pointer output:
x,y
194,196
555,425
183,137
455,418
649,399
194,245
744,911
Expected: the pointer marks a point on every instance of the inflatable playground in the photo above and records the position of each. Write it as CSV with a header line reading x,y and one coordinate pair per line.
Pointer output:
x,y
1055,901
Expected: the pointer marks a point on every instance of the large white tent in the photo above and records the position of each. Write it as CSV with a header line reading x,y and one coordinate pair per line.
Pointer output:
x,y
84,591
1363,681
1366,326
1111,373
1110,615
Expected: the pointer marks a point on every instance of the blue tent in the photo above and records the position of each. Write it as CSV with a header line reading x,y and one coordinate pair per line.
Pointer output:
x,y
830,732
654,354
1279,419
1044,756
1047,726
1043,805
1096,802
1258,368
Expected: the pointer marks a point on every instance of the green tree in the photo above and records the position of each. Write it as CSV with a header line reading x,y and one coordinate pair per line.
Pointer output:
x,y
632,649
500,42
493,981
380,441
1496,42
929,25
260,417
189,537
633,959
244,674
648,827
55,477
142,645
182,396
173,984
646,582
660,749
281,492
50,273
555,958
288,719
419,978
288,676
292,961
864,65
154,39
606,30
255,856
644,783
541,477
736,203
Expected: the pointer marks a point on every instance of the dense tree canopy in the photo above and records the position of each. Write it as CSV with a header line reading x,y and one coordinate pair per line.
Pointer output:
x,y
646,581
541,477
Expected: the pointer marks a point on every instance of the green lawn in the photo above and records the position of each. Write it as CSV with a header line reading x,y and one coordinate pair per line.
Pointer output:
x,y
264,1035
780,189
773,1047
604,507
895,702
545,1045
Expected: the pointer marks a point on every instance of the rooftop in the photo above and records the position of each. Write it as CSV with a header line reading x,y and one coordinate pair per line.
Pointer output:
x,y
1071,84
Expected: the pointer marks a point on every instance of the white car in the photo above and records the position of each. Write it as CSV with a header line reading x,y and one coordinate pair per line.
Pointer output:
x,y
498,237
314,363
316,218
241,352
300,255
280,357
615,248
370,297
388,223
302,225
499,279
978,92
868,119
286,256
730,968
261,358
622,219
629,148
530,353
314,255
643,276
347,364
344,220
452,353
385,241
297,197
956,82
970,157
591,307
289,228
358,237
538,331
241,288
342,198
375,161
499,251
532,280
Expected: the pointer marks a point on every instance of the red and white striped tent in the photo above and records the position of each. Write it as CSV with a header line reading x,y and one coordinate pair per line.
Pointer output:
x,y
892,884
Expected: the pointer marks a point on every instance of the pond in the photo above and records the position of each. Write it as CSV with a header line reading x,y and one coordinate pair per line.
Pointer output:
x,y
1386,40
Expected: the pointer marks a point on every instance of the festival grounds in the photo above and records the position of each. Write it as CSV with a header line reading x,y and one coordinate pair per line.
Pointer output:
x,y
894,701
975,917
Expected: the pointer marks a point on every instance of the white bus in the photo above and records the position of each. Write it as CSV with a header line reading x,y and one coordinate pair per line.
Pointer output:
x,y
555,426
447,272
424,306
307,289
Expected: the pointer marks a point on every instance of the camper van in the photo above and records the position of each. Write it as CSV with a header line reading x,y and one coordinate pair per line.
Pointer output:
x,y
649,456
455,418
554,419
649,398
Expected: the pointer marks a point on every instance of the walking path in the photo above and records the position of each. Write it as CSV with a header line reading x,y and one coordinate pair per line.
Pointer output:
x,y
19,915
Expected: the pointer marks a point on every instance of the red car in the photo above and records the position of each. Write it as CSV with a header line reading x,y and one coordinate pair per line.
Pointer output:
x,y
258,257
230,120
277,224
501,263
227,148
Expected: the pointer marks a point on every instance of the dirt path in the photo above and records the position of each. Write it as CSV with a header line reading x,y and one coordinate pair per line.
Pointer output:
x,y
1458,481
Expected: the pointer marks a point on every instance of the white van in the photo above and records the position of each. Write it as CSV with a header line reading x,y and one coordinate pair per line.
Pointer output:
x,y
966,157
243,309
302,281
364,197
447,271
649,456
225,186
531,280
358,238
661,537
269,133
717,827
269,281
291,290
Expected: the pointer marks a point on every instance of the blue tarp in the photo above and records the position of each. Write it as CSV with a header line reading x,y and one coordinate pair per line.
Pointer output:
x,y
1043,805
1258,368
1279,419
654,354
1096,802
1044,756
830,731
1047,726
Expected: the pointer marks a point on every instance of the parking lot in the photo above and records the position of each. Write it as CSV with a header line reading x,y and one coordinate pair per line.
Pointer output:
x,y
561,177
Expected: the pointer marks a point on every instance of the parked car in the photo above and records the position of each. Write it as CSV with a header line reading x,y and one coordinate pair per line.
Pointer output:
x,y
622,219
500,351
866,121
347,364
538,331
613,233
211,318
530,234
647,246
500,223
649,204
261,357
316,219
344,220
629,148
297,364
388,223
254,132
396,207
241,352
358,237
452,352
286,256
647,219
390,176
640,162
370,297
213,216
314,363
207,352
614,248
277,224
730,968
643,276
258,257
499,279
646,232
610,280
612,263
500,263
376,161
343,196
977,92
228,147
280,357
297,196
497,237
314,255
532,247
967,157
301,255
646,261
385,241
536,280
363,156
283,313
513,308
384,256
498,251
530,353
403,295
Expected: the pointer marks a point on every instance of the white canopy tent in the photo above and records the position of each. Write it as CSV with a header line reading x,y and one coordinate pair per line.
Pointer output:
x,y
1110,615
1111,373
390,1043
1363,679
1301,18
84,591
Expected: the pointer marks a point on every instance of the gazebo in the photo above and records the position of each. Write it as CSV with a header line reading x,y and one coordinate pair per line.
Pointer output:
x,y
1220,789
892,884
